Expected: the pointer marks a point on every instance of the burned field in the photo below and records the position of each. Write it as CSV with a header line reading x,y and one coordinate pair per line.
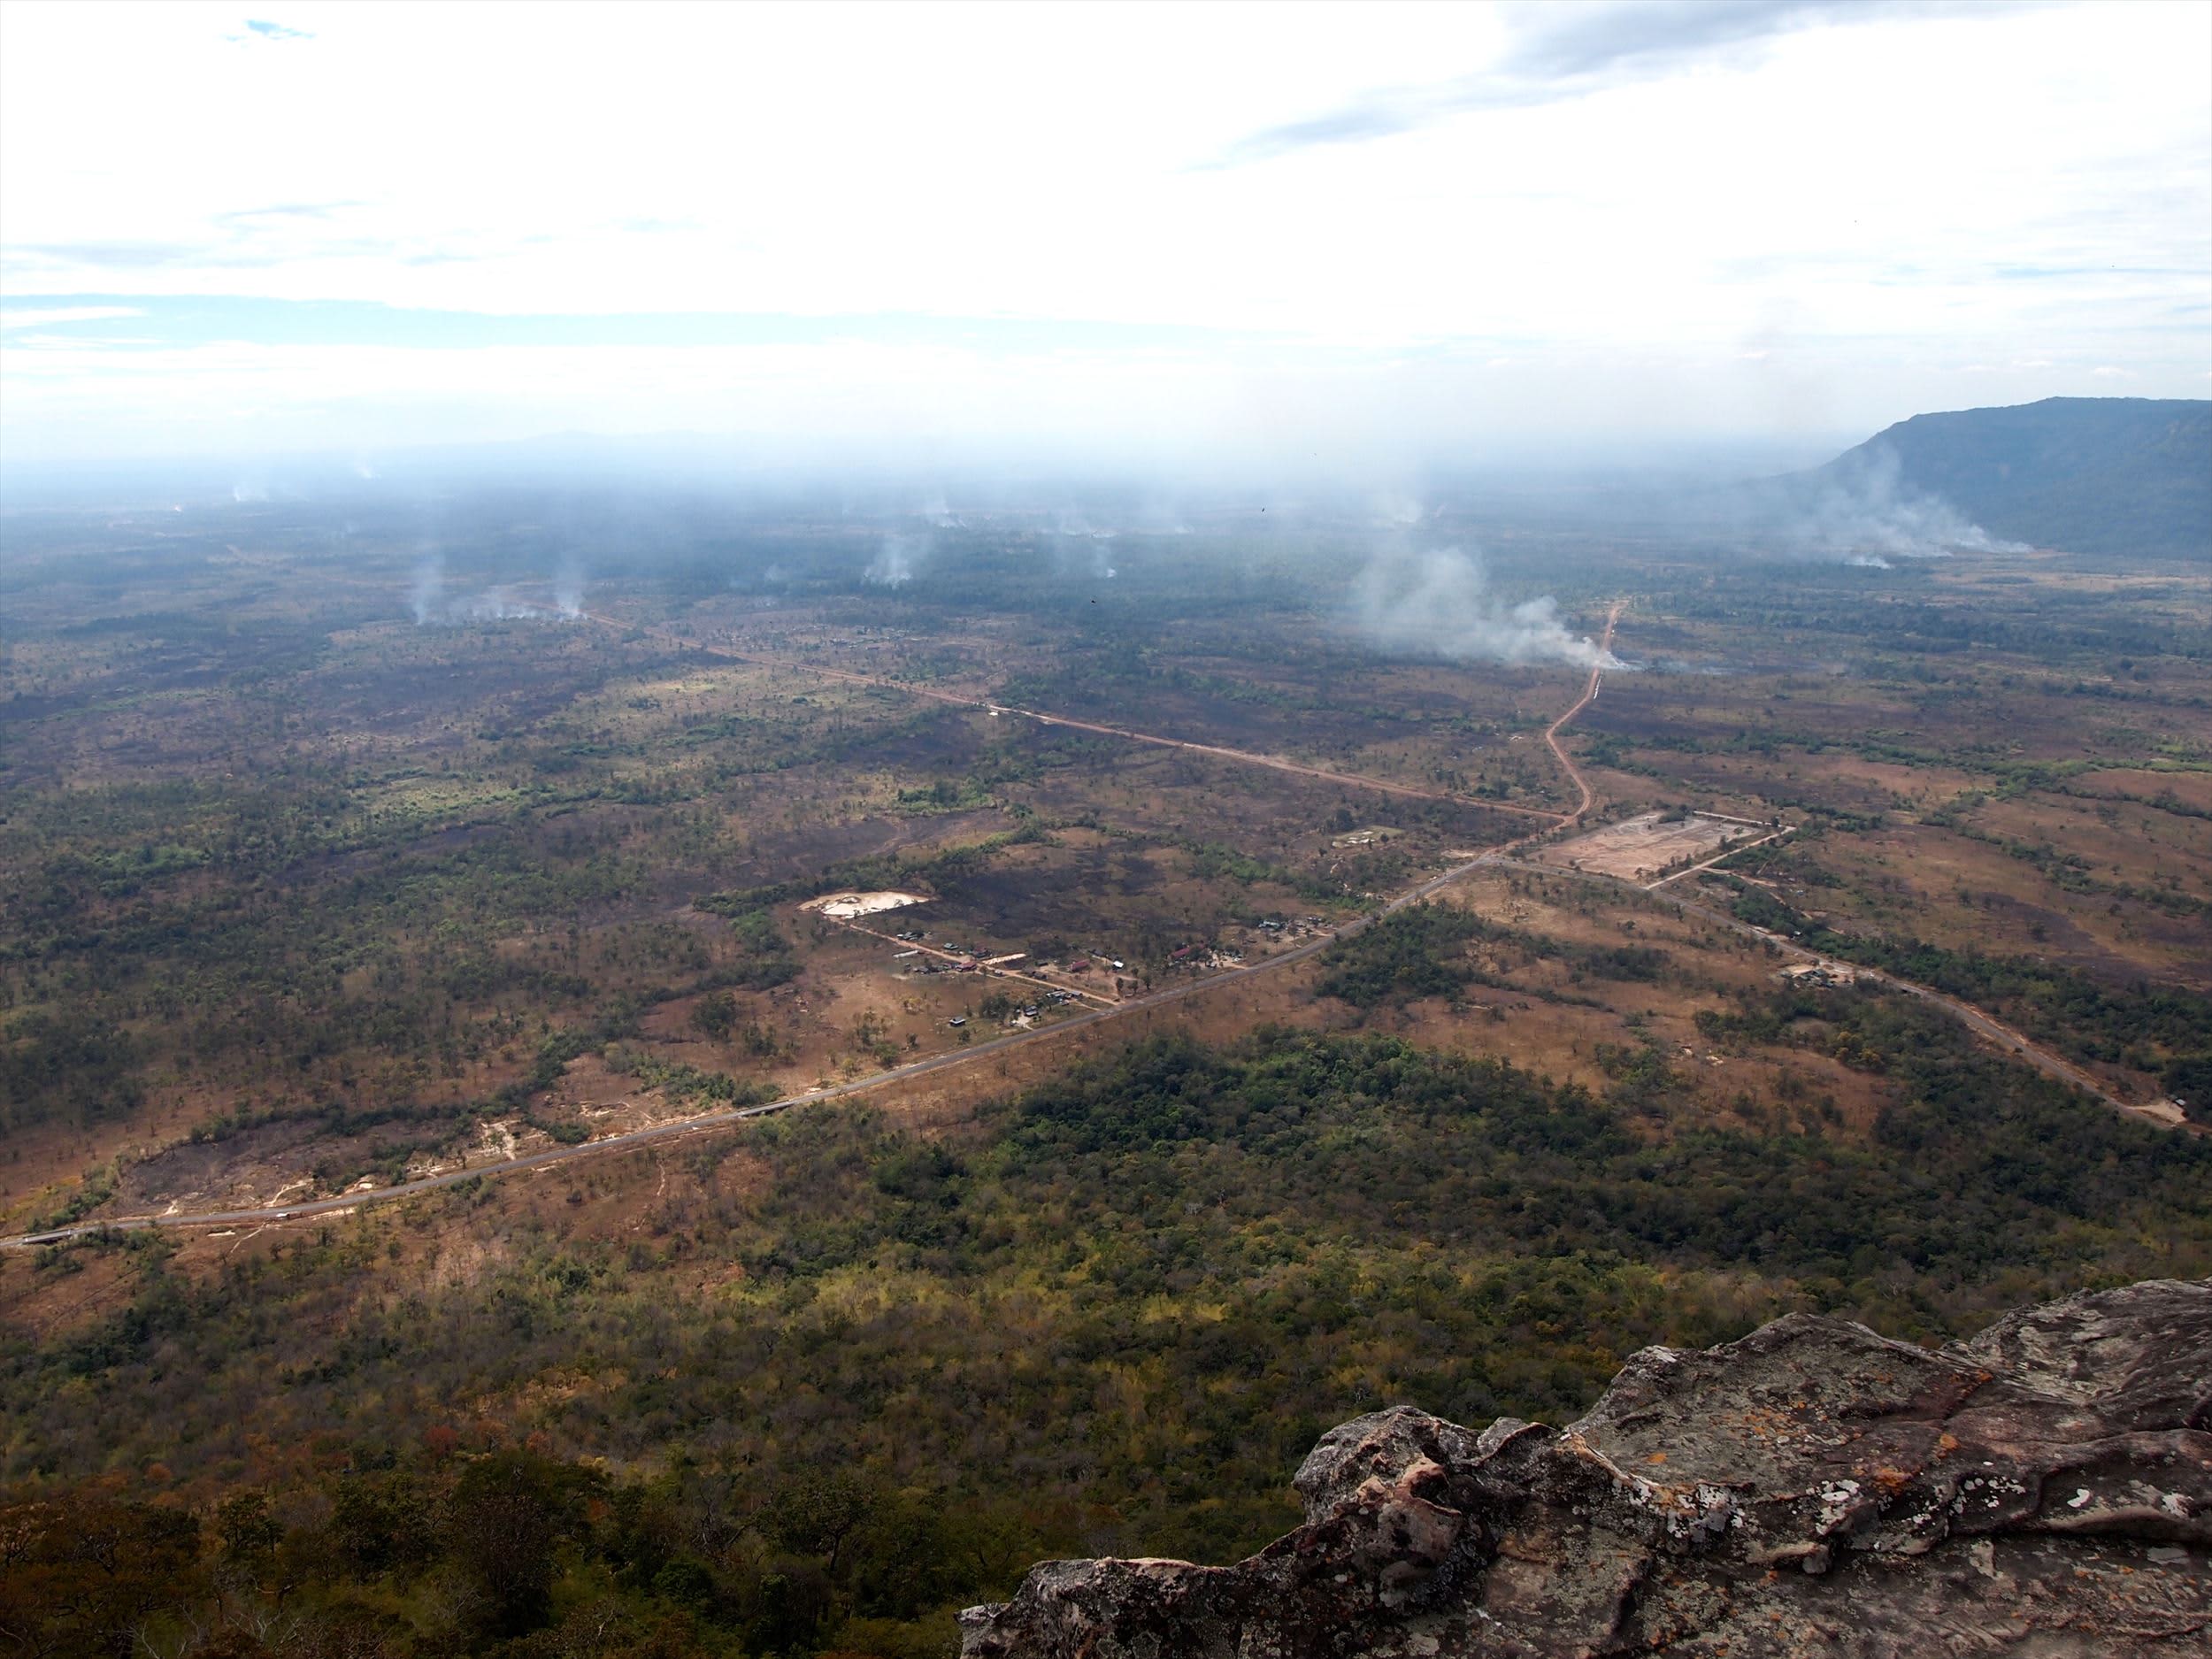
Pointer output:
x,y
406,885
1157,1076
323,893
1276,681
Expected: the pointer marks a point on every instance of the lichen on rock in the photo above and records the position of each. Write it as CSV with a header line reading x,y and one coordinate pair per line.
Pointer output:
x,y
1814,1489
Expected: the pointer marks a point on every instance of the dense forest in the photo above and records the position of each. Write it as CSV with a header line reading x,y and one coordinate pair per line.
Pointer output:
x,y
1112,1316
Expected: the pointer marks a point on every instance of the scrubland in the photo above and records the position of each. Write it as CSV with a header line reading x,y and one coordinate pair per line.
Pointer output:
x,y
307,894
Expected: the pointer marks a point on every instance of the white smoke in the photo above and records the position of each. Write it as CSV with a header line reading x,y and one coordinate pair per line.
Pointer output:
x,y
428,599
1438,602
498,604
568,590
1866,514
1090,542
1396,511
427,594
898,561
248,490
1160,518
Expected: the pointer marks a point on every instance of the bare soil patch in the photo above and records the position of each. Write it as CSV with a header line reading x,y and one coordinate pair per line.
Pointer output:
x,y
845,907
1650,844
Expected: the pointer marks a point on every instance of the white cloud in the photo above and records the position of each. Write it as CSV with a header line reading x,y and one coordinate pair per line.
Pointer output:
x,y
48,316
2035,191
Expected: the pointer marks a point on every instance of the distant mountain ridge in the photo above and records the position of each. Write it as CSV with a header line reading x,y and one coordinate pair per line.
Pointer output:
x,y
2105,476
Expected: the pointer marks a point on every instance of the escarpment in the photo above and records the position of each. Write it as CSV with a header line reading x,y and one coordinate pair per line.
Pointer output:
x,y
2044,1489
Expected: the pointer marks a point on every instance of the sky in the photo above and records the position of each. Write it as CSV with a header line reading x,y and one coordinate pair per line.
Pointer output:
x,y
1253,236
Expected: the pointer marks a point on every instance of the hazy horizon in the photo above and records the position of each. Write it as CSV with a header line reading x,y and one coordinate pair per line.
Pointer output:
x,y
1311,242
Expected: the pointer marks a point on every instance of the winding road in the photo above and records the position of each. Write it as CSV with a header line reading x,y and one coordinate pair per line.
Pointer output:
x,y
1589,695
1982,1024
708,1121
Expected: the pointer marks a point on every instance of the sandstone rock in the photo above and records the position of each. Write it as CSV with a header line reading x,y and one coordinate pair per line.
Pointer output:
x,y
2044,1489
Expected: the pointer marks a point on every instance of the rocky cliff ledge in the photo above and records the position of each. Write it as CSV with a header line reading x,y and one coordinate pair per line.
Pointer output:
x,y
1814,1489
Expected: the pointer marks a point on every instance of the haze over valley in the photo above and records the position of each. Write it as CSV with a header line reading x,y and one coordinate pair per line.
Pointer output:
x,y
799,805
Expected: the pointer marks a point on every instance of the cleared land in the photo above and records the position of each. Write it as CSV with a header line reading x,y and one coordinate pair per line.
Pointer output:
x,y
620,857
1207,1095
845,907
1650,844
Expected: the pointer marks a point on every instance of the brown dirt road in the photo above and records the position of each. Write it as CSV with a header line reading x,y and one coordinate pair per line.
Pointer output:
x,y
1974,1018
709,1121
960,700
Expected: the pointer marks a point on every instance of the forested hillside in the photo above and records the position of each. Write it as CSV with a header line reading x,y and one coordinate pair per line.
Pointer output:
x,y
864,1378
2111,476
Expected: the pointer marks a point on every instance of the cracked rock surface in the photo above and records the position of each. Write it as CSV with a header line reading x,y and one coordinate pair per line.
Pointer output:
x,y
2043,1489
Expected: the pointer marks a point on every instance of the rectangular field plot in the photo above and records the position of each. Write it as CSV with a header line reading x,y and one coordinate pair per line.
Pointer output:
x,y
1651,844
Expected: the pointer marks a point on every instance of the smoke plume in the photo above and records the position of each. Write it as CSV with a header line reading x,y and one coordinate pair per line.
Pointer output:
x,y
1438,602
499,604
568,590
1077,541
433,607
428,590
898,561
1395,510
1865,514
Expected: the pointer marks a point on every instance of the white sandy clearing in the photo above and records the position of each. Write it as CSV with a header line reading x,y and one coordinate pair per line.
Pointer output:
x,y
844,907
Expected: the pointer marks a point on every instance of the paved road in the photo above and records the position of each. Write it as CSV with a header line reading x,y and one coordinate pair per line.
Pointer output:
x,y
677,1128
